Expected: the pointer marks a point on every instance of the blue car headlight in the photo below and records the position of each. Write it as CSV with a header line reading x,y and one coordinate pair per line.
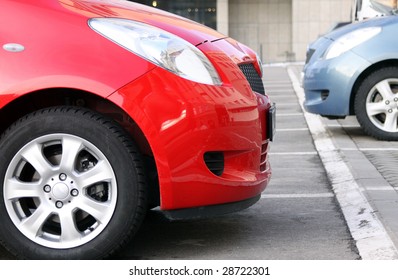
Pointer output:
x,y
350,41
159,47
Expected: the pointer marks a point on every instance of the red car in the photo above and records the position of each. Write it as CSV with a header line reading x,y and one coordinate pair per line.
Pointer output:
x,y
110,108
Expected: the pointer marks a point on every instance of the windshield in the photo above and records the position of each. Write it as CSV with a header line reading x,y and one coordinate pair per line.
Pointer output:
x,y
385,7
364,9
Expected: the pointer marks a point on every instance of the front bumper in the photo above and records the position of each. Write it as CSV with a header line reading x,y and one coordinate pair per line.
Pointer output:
x,y
184,122
328,84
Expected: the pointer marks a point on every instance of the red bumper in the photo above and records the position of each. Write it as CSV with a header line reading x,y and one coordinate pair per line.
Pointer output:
x,y
184,122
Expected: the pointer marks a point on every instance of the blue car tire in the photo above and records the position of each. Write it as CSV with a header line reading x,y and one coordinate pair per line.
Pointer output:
x,y
376,104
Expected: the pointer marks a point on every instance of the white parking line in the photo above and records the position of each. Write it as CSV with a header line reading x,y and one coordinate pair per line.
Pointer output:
x,y
377,149
372,239
386,188
288,114
287,104
370,149
293,153
299,195
344,126
291,129
282,96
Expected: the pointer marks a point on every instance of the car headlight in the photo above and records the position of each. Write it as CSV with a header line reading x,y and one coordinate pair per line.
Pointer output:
x,y
350,41
159,47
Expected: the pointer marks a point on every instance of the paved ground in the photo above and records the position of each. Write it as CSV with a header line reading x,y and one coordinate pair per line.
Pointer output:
x,y
299,216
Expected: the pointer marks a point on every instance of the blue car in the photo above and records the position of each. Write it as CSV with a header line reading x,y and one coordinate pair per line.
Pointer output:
x,y
353,70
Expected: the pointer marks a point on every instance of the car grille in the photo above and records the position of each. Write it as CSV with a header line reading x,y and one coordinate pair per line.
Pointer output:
x,y
252,76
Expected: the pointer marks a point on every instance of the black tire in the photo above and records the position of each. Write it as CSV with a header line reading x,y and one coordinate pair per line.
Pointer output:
x,y
88,173
376,104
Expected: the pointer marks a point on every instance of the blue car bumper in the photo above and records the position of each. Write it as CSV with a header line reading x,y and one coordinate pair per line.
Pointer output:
x,y
328,83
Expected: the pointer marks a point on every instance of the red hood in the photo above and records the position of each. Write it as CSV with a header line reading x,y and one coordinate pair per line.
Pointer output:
x,y
191,31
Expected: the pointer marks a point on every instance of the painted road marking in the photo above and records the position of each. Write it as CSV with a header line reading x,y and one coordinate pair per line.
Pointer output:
x,y
288,114
293,153
291,129
299,195
321,195
369,149
386,188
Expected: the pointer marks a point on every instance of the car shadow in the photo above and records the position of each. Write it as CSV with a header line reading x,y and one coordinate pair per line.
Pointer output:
x,y
160,238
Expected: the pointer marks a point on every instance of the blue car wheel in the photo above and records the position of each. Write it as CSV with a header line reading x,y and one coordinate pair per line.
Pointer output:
x,y
376,104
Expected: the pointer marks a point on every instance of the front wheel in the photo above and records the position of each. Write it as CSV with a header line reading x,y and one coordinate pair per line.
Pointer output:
x,y
71,186
376,104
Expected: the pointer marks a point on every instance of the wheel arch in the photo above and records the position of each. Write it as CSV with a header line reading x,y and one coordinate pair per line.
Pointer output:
x,y
374,67
45,98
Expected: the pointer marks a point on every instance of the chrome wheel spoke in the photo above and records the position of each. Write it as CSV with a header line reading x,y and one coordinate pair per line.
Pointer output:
x,y
33,155
102,172
390,123
70,150
98,210
384,89
15,189
34,223
69,231
376,108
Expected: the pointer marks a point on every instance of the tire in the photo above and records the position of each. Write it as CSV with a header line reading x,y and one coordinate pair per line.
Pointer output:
x,y
71,186
376,104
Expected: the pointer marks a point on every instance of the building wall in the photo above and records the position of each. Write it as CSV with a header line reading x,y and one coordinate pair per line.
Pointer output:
x,y
312,18
264,25
280,30
222,16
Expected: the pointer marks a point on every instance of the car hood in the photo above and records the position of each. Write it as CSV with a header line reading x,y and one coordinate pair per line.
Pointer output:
x,y
379,21
191,31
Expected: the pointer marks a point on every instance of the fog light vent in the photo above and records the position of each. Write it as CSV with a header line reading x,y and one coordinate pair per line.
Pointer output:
x,y
215,162
324,94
